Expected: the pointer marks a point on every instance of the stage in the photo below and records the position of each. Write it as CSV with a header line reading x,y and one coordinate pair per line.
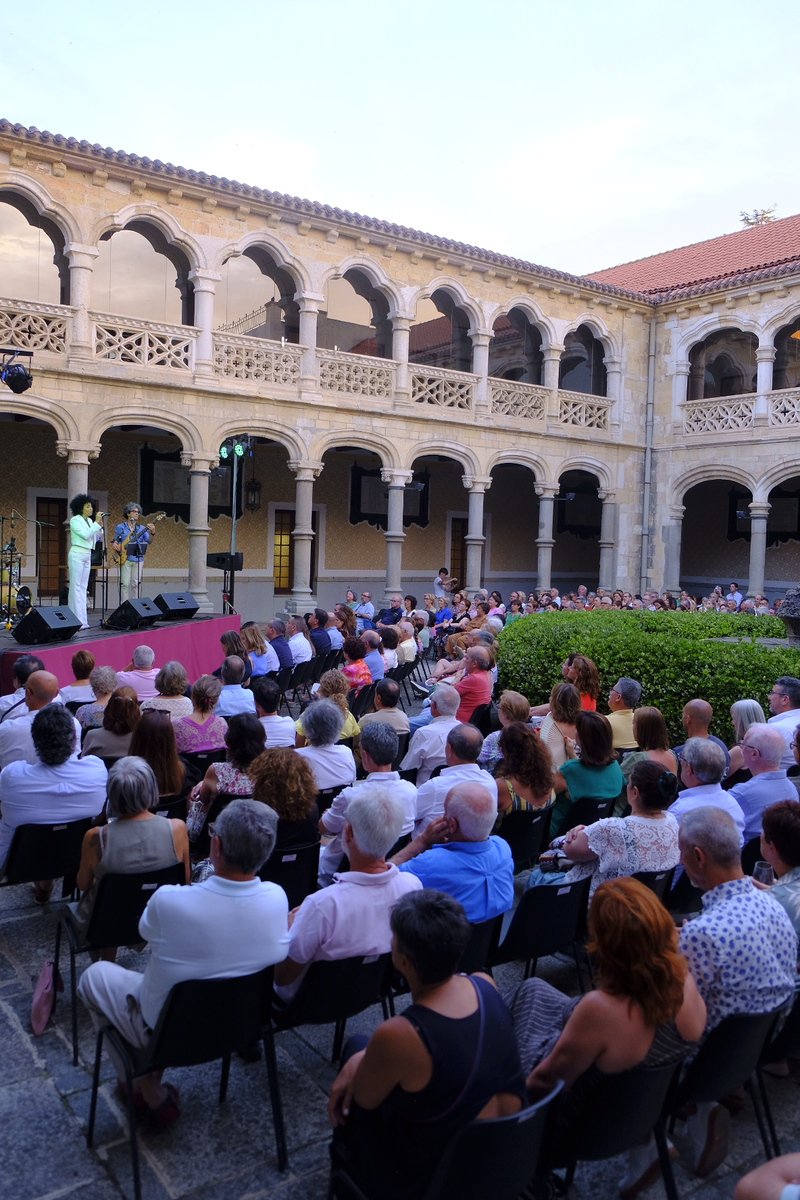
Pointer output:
x,y
193,643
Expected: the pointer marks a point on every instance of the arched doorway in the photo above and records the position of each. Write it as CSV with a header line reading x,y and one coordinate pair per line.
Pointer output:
x,y
576,531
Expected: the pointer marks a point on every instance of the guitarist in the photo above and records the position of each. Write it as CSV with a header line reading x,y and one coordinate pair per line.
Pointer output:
x,y
133,539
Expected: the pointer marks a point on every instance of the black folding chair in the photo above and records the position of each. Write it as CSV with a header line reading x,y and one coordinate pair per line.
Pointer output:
x,y
173,807
659,882
482,944
294,870
684,897
326,796
586,811
480,717
751,854
402,749
46,852
785,1044
547,919
283,679
526,832
201,847
72,706
333,992
727,1060
362,700
201,1021
198,761
497,1157
118,906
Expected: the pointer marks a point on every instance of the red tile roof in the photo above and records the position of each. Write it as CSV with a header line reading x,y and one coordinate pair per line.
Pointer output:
x,y
760,247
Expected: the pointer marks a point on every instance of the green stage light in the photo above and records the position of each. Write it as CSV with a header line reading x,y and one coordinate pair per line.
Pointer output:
x,y
238,449
224,451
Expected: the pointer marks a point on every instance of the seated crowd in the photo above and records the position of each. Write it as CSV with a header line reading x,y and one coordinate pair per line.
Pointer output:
x,y
414,819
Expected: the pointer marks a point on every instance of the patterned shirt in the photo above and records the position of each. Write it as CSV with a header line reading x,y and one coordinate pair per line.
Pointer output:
x,y
741,950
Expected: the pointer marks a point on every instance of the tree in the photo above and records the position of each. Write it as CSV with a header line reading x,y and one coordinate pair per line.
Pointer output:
x,y
759,216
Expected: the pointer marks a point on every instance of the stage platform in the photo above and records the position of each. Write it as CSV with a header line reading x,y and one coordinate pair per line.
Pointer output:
x,y
193,643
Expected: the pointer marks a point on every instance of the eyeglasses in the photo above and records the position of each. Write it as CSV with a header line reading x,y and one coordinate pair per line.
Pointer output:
x,y
775,692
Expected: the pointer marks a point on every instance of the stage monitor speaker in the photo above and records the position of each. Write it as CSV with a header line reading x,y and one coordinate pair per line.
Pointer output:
x,y
225,562
176,606
134,614
42,625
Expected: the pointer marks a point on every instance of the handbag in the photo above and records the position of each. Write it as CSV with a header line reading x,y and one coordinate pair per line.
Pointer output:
x,y
44,996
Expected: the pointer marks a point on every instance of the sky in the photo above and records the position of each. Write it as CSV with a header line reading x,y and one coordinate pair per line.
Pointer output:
x,y
574,135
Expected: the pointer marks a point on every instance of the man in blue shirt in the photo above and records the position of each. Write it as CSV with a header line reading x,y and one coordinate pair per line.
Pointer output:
x,y
458,854
392,614
276,632
373,657
762,750
317,620
365,613
138,537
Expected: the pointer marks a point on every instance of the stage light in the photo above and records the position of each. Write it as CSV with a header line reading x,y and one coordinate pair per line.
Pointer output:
x,y
238,449
224,451
13,374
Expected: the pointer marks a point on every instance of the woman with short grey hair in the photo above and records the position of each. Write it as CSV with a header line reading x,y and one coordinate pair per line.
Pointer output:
x,y
103,681
134,841
330,764
172,683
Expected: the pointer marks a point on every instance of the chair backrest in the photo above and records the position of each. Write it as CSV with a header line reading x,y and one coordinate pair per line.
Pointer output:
x,y
172,807
201,847
410,775
485,936
120,902
294,870
751,854
526,832
727,1058
334,991
360,702
659,882
108,760
620,1112
497,1157
480,717
206,1019
73,705
436,772
787,1042
198,761
546,919
45,851
326,796
402,749
586,811
684,896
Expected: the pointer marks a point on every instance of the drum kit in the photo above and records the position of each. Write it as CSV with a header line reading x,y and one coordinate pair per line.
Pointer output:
x,y
15,598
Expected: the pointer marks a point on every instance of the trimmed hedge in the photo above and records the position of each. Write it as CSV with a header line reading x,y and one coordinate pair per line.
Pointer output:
x,y
672,654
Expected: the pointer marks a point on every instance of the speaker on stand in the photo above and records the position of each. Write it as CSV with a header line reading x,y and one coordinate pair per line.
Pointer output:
x,y
140,613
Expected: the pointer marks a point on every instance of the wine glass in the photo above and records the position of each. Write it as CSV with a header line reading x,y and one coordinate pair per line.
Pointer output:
x,y
763,873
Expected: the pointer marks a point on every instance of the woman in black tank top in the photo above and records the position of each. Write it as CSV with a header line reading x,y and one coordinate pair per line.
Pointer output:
x,y
451,1057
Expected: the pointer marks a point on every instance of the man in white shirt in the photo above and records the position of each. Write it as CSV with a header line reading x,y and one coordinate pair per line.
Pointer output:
x,y
140,674
441,582
735,595
378,750
462,747
299,644
352,915
233,698
331,764
784,704
16,743
13,705
280,731
231,924
702,768
426,749
57,787
407,647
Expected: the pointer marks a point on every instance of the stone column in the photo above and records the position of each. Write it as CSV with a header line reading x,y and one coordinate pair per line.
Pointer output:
x,y
401,334
550,369
81,262
680,395
545,541
309,307
78,458
475,539
671,537
765,360
200,466
302,598
394,532
205,286
608,539
759,513
480,367
613,368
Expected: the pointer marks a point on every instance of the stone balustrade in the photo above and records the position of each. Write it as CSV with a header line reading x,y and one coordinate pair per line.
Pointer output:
x,y
257,360
441,388
356,374
27,325
510,398
144,343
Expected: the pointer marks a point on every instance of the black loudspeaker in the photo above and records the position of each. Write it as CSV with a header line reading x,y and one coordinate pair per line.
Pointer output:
x,y
225,562
176,606
134,614
42,625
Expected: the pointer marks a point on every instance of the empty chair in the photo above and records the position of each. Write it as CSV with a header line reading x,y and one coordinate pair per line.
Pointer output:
x,y
46,852
526,832
482,944
547,919
586,811
295,870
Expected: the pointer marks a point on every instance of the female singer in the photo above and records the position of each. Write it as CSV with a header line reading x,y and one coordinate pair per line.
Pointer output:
x,y
84,532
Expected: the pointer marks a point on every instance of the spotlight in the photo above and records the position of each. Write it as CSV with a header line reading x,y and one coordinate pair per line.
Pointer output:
x,y
12,374
238,449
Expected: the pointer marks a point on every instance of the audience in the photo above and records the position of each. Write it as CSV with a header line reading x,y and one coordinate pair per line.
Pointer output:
x,y
154,741
231,924
333,686
284,781
79,692
276,636
140,674
203,729
387,710
120,717
261,654
512,706
355,669
233,646
316,621
524,774
461,750
780,847
352,915
244,739
744,713
762,751
696,718
784,704
652,739
299,642
172,686
596,773
622,699
334,631
702,768
16,741
373,657
426,750
330,764
103,681
279,731
559,723
234,698
13,705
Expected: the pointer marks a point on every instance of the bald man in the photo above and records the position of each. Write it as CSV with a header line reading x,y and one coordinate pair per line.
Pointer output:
x,y
695,719
16,742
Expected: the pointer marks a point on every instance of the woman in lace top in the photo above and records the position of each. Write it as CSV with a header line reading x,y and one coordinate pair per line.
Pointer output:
x,y
647,840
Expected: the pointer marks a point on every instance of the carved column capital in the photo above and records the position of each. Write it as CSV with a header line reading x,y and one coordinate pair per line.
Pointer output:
x,y
474,483
77,452
304,471
396,478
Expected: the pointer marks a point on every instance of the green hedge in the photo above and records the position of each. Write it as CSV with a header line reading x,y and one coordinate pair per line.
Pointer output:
x,y
672,654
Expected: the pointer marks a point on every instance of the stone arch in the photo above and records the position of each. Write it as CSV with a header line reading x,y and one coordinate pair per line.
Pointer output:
x,y
534,314
700,330
787,469
708,473
520,458
51,411
30,190
457,291
374,273
353,437
275,248
173,233
592,466
35,207
462,454
612,342
789,312
186,431
261,427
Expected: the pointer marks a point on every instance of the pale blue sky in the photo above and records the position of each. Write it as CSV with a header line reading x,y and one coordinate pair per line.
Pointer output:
x,y
576,135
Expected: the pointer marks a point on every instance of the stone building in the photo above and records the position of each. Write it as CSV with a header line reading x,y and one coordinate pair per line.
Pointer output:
x,y
411,402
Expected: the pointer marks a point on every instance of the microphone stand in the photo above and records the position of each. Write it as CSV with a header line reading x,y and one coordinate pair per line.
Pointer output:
x,y
104,575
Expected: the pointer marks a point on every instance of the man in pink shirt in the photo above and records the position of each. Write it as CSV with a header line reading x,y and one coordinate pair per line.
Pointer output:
x,y
475,685
140,674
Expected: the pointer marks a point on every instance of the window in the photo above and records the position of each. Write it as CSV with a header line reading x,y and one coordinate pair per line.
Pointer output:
x,y
51,565
283,551
458,548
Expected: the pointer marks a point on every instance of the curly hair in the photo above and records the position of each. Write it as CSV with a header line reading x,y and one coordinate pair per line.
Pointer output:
x,y
284,781
334,685
635,944
526,758
585,676
77,503
354,648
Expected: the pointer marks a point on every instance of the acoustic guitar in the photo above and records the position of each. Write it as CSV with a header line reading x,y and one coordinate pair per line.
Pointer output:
x,y
120,556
